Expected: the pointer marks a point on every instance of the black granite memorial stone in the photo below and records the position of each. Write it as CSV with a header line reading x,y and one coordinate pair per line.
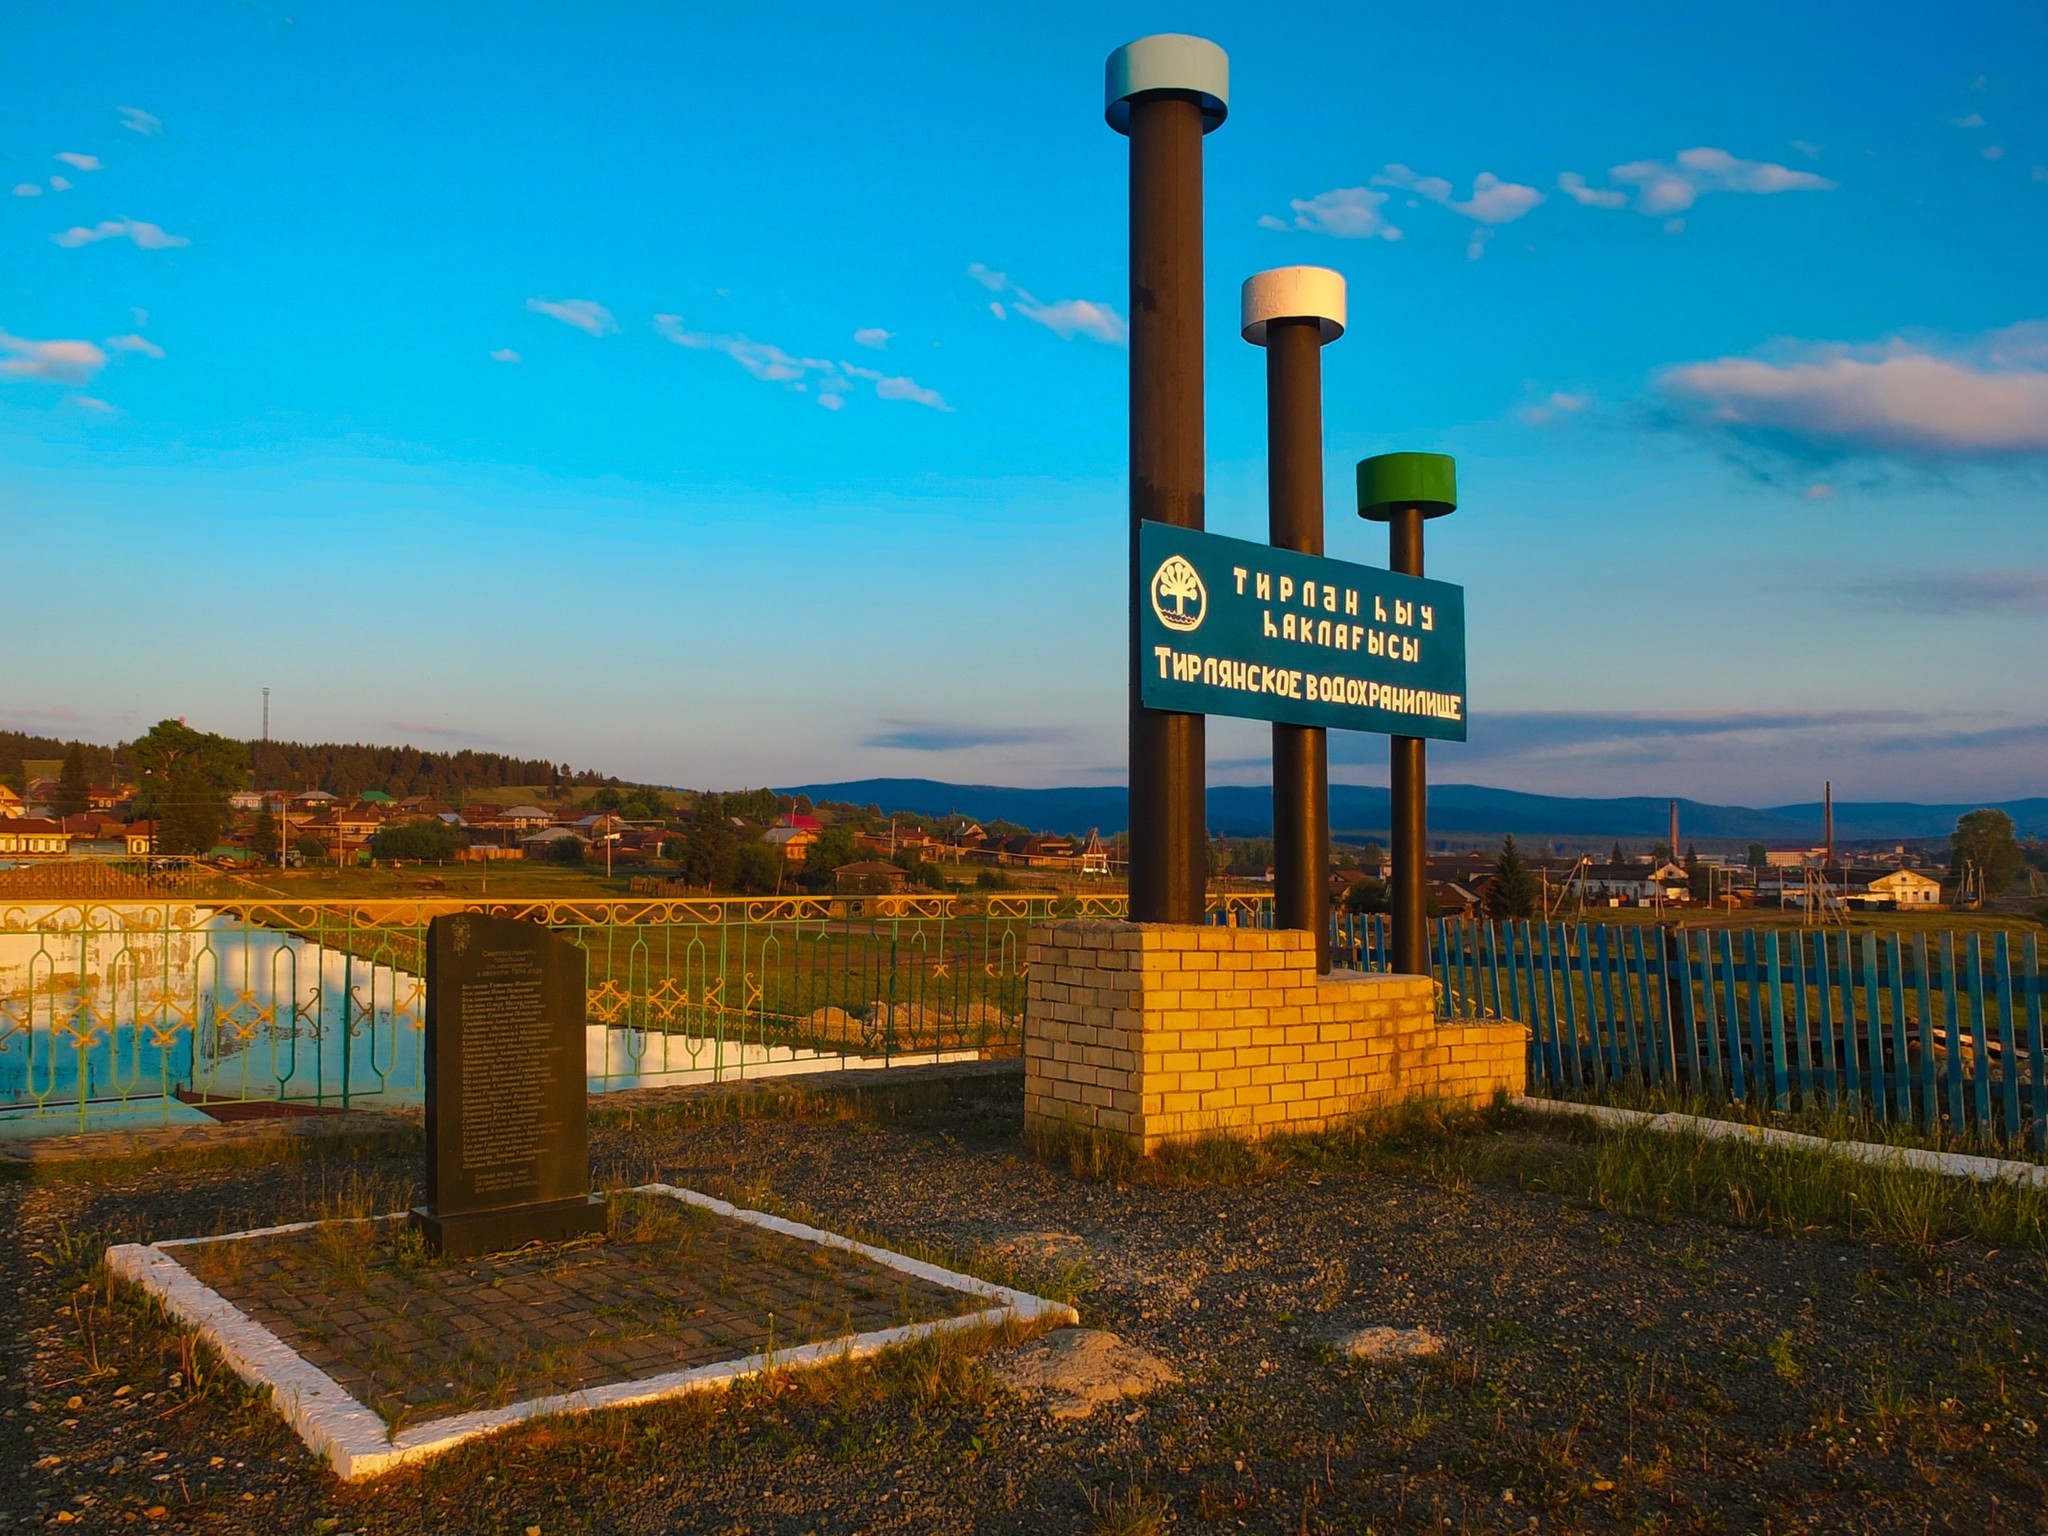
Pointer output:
x,y
508,1158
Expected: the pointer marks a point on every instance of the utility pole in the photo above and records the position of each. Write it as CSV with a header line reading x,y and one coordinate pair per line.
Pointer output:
x,y
1165,92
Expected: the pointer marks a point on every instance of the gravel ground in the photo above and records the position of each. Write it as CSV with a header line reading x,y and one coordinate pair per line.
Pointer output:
x,y
1599,1374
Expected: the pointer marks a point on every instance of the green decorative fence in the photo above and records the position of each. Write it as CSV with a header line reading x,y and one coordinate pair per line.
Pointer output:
x,y
152,1011
1938,1031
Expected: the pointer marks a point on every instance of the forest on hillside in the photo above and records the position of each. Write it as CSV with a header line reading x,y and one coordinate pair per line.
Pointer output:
x,y
344,769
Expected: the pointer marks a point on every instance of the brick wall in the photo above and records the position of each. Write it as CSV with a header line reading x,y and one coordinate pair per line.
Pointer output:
x,y
1157,1032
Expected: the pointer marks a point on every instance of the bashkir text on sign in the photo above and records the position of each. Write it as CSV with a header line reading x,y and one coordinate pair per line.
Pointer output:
x,y
1229,627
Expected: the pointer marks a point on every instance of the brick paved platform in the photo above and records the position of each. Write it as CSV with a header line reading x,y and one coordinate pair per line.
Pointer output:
x,y
379,1354
673,1286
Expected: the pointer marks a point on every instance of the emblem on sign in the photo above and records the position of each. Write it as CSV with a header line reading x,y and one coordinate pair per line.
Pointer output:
x,y
1178,596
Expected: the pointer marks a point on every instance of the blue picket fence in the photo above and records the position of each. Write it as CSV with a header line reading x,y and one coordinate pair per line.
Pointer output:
x,y
1939,1031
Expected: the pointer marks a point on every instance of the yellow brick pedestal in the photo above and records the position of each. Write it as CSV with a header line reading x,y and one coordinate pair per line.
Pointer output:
x,y
1158,1032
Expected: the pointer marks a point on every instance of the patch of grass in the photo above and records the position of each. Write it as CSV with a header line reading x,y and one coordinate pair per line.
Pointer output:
x,y
282,1148
1134,1512
1632,1172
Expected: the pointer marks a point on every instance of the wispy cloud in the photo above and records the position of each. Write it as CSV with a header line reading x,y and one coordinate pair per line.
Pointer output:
x,y
1973,120
135,343
148,124
94,403
59,713
78,162
1065,318
150,237
59,184
1987,400
1553,407
1946,593
1608,738
831,381
1573,185
1355,213
56,362
27,189
1661,188
929,736
504,355
585,314
873,336
1348,213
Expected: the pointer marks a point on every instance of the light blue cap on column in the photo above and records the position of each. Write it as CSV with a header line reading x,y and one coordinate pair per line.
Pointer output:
x,y
1167,61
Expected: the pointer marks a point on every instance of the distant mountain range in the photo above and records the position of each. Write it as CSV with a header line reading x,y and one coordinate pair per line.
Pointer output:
x,y
1458,810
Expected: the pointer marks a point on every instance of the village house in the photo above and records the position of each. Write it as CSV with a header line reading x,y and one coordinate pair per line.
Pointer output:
x,y
32,837
1905,889
868,877
794,843
11,804
140,836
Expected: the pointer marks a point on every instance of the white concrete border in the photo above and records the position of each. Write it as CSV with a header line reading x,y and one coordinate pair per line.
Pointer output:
x,y
1960,1165
354,1440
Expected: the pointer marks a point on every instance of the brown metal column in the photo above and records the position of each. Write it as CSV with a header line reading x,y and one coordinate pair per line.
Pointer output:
x,y
1169,823
1294,490
1408,782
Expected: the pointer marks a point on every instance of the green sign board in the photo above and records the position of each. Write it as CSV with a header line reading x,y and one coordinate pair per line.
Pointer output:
x,y
1229,627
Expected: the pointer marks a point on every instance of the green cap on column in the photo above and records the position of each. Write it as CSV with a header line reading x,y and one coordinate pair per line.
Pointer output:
x,y
1390,480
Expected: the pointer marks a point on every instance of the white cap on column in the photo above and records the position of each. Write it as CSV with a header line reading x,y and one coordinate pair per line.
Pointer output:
x,y
1293,293
1167,61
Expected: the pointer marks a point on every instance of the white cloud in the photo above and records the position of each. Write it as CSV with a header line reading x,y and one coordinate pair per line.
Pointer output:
x,y
832,381
1354,213
135,343
1068,318
1494,201
59,184
1065,318
1666,187
873,336
55,362
505,355
91,403
585,314
1820,490
78,162
1985,401
147,124
1994,151
890,387
1974,120
28,189
1348,213
1554,407
1573,185
1807,148
150,237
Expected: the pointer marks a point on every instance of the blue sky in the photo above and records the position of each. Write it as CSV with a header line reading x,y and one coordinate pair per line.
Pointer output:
x,y
729,398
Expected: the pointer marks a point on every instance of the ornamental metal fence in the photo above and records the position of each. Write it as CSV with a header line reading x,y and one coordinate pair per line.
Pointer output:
x,y
139,1012
1938,1032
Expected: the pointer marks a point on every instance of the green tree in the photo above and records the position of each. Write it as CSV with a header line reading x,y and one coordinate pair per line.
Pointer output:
x,y
310,850
1367,895
428,840
1759,856
1616,856
1698,878
187,776
263,834
1514,890
710,852
833,848
607,799
756,868
74,788
1984,843
645,804
563,850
